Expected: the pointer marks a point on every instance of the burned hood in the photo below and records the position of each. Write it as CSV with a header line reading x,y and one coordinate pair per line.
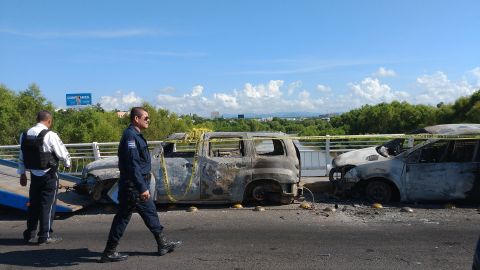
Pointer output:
x,y
357,157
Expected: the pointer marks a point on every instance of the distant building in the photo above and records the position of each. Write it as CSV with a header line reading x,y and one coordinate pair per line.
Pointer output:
x,y
267,119
214,115
121,114
241,116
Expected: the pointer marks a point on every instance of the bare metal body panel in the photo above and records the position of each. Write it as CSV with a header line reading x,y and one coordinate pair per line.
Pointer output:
x,y
449,174
218,176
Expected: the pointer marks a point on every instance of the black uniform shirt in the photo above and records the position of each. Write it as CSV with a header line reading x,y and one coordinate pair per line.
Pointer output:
x,y
133,160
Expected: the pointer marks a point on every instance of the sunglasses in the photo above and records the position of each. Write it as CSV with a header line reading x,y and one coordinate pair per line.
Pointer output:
x,y
146,118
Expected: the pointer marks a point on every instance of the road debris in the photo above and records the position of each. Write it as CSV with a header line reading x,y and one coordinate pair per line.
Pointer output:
x,y
329,209
306,205
237,206
259,208
192,209
450,206
406,209
377,206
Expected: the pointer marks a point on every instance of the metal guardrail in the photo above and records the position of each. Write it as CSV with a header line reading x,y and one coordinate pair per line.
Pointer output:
x,y
81,153
316,156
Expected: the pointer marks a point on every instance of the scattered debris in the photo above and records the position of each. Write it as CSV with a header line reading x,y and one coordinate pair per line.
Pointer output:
x,y
259,208
306,205
426,221
377,206
329,209
192,209
450,206
237,206
406,209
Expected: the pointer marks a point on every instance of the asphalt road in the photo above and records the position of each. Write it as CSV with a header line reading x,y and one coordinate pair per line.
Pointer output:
x,y
282,237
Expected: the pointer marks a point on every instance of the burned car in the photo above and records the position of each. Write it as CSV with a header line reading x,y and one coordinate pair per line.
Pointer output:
x,y
435,169
220,167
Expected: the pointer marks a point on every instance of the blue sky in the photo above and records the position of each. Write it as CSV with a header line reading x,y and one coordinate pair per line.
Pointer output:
x,y
246,56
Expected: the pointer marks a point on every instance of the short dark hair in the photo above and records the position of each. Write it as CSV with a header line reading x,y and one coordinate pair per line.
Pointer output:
x,y
136,111
43,115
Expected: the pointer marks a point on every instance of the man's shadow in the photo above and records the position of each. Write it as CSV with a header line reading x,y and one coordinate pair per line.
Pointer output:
x,y
48,257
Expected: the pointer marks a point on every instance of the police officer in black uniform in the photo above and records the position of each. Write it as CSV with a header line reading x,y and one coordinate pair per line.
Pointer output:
x,y
41,149
134,164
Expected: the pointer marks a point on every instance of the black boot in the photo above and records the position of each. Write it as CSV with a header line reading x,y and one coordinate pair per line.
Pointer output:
x,y
111,255
28,236
165,246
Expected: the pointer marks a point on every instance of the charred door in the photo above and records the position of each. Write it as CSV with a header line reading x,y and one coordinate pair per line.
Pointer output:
x,y
179,181
442,170
224,167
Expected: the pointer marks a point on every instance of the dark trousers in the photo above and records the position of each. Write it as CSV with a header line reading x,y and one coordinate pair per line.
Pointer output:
x,y
43,197
128,201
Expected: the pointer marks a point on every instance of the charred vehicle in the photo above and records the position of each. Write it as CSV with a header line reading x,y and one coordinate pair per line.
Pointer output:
x,y
221,167
435,169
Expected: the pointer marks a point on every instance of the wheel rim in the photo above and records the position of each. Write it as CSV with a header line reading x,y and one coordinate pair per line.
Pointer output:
x,y
258,193
379,191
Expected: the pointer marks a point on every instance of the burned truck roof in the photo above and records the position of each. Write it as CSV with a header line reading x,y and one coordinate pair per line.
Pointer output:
x,y
183,136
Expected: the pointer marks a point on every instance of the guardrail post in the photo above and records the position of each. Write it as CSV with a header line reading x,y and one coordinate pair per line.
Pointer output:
x,y
410,142
96,151
328,158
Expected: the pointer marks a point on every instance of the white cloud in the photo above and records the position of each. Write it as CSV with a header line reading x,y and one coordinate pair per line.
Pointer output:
x,y
261,98
371,90
437,88
383,72
475,73
197,90
227,101
120,101
304,95
278,96
323,88
293,86
272,90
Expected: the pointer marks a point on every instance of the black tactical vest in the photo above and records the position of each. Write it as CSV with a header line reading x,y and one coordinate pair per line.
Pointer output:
x,y
34,157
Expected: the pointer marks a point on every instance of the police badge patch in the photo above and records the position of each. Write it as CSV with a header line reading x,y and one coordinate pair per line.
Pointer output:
x,y
131,144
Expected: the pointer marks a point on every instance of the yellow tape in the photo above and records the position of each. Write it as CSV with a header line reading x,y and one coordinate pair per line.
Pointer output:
x,y
166,182
334,137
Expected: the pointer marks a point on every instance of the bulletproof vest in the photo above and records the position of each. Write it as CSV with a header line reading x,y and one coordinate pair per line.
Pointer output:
x,y
34,157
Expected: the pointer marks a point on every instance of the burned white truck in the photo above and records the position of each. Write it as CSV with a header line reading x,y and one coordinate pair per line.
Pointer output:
x,y
436,169
219,167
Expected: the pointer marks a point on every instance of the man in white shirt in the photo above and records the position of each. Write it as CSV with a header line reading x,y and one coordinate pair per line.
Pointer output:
x,y
41,150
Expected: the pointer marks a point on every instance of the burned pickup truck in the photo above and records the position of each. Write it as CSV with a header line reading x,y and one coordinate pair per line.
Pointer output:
x,y
433,169
220,167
